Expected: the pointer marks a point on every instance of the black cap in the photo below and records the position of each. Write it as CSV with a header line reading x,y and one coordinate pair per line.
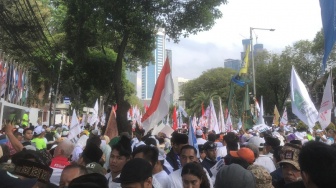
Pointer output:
x,y
209,145
135,170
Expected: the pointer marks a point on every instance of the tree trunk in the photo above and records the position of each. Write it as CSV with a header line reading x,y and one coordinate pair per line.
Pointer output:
x,y
123,105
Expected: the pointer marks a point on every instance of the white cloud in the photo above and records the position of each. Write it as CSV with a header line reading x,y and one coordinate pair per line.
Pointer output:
x,y
293,21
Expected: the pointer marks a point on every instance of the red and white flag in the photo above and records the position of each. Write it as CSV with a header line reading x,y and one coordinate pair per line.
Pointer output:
x,y
326,105
159,106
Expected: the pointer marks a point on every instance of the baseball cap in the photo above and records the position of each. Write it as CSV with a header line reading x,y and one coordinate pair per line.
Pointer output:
x,y
38,130
209,145
135,170
262,176
244,153
290,154
257,141
95,168
199,132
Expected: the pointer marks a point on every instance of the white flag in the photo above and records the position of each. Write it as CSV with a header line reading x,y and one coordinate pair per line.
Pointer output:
x,y
228,123
240,124
181,109
94,117
221,117
261,113
302,106
75,128
213,124
326,105
284,118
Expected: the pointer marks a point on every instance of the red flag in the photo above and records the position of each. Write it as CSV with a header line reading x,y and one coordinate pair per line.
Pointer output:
x,y
112,128
146,107
174,118
202,110
159,106
115,107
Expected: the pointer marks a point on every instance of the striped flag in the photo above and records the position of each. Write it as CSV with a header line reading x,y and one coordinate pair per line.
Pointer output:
x,y
159,106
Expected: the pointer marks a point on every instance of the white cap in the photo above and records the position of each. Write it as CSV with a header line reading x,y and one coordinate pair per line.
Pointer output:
x,y
199,132
38,130
20,130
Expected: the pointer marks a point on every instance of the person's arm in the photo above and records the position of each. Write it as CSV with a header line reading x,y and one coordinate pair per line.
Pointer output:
x,y
17,145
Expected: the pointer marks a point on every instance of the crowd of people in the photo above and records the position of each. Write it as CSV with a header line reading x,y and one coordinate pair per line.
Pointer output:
x,y
42,156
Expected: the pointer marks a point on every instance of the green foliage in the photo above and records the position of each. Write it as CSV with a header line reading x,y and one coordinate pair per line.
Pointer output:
x,y
212,83
301,127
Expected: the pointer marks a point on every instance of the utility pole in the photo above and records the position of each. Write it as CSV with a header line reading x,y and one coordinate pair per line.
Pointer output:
x,y
56,93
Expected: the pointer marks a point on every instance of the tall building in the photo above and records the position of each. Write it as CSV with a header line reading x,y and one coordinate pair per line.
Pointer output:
x,y
232,64
152,71
178,83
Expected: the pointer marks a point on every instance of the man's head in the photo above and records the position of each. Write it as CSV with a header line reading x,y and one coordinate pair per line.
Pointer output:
x,y
148,153
270,144
71,172
178,141
289,162
91,153
188,154
64,148
210,149
318,164
201,151
120,154
199,133
28,134
137,173
231,141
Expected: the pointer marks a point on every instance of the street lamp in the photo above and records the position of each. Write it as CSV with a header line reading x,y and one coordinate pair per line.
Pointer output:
x,y
252,56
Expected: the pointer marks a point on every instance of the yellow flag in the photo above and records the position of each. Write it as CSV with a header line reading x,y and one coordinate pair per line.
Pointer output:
x,y
276,116
245,67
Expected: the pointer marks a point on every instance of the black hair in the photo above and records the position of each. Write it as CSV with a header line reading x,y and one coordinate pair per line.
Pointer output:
x,y
150,142
196,169
123,147
189,147
178,138
240,161
94,139
318,160
6,153
297,142
82,169
150,153
231,140
211,137
277,153
161,140
27,129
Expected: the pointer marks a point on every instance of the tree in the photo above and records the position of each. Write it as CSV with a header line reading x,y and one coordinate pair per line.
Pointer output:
x,y
129,28
212,83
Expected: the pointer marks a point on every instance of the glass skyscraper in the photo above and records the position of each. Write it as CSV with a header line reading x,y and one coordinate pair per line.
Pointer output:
x,y
151,72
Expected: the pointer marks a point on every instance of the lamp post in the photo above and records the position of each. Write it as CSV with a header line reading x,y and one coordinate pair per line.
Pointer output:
x,y
252,57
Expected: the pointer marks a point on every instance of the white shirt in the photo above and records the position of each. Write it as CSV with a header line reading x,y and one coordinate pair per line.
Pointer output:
x,y
111,183
175,179
163,178
221,152
265,161
200,141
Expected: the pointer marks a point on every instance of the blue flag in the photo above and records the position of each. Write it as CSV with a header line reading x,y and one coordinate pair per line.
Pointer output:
x,y
192,138
328,14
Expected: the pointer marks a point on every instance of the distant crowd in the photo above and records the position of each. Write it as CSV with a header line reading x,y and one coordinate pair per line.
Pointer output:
x,y
42,156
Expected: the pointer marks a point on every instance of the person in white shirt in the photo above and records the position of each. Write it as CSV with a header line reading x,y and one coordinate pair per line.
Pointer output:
x,y
199,137
188,155
151,154
121,153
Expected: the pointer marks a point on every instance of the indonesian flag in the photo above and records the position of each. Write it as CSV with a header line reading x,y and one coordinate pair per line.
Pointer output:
x,y
174,119
159,106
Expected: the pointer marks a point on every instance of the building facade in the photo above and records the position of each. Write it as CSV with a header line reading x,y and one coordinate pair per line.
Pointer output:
x,y
151,72
178,83
234,64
